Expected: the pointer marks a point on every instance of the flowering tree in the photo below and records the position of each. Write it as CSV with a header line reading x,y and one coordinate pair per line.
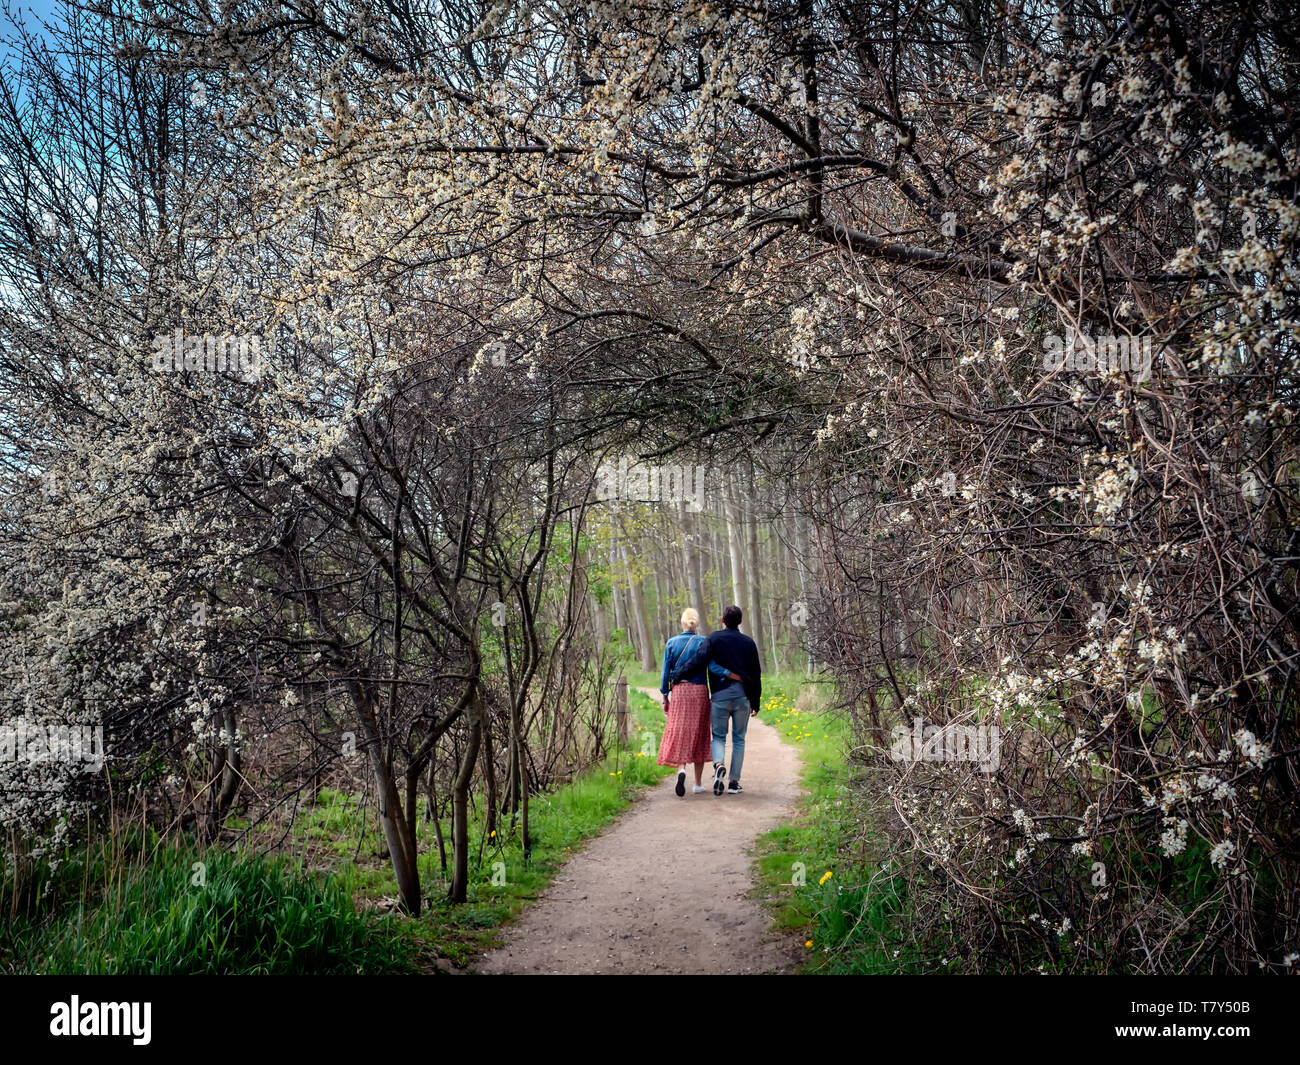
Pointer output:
x,y
251,504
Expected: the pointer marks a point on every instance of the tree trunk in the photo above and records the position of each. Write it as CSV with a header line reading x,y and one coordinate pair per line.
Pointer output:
x,y
432,811
801,570
227,770
735,544
490,776
718,556
520,780
691,560
619,618
662,602
775,663
757,626
392,819
460,808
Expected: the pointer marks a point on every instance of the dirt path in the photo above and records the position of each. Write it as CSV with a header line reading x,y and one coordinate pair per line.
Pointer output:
x,y
666,888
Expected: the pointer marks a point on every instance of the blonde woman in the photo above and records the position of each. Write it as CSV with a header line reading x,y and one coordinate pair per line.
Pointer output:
x,y
688,731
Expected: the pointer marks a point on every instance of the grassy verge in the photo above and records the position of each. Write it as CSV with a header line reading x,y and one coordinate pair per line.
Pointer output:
x,y
316,905
817,873
148,906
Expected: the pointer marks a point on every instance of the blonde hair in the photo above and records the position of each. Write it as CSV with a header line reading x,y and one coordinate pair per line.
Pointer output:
x,y
690,618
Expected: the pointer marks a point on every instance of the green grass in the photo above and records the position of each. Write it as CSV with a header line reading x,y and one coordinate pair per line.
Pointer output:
x,y
817,873
178,910
641,678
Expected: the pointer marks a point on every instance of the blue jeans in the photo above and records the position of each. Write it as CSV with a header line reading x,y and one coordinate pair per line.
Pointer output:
x,y
735,710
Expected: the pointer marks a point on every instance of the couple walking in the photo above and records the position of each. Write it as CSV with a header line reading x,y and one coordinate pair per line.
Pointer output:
x,y
707,683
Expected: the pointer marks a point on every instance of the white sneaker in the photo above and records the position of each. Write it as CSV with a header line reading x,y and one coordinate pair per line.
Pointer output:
x,y
699,789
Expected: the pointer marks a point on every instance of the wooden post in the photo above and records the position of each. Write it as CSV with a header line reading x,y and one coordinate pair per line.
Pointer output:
x,y
620,710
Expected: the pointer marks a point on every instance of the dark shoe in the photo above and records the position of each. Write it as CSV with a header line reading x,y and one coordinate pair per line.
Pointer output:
x,y
719,774
681,783
734,787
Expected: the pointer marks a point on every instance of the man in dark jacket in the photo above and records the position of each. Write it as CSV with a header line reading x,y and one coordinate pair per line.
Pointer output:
x,y
735,700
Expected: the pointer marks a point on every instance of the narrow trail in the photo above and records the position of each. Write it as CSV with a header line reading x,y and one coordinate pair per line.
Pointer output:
x,y
666,887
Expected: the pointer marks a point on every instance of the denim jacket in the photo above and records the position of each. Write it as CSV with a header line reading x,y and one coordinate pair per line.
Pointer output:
x,y
674,652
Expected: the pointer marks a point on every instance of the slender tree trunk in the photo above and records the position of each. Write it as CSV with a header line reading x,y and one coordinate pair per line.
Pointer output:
x,y
460,808
719,574
775,663
758,626
691,559
735,544
490,776
392,820
662,604
521,781
227,769
801,569
620,621
433,812
789,577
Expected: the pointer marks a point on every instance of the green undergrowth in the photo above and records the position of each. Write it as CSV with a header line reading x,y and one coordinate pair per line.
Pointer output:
x,y
817,873
323,902
150,906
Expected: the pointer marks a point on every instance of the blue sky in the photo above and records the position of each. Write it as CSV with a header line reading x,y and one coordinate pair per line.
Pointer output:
x,y
32,12
40,8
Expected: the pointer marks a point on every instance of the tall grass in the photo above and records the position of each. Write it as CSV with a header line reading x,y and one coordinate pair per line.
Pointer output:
x,y
188,911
